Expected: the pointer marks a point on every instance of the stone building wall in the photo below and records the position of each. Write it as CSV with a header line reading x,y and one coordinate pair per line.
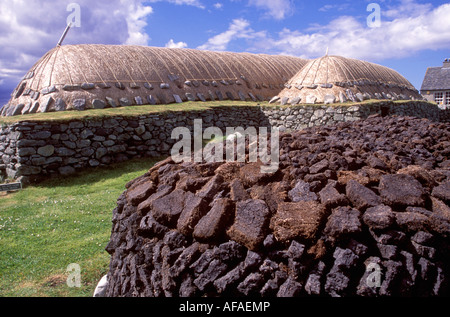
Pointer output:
x,y
30,151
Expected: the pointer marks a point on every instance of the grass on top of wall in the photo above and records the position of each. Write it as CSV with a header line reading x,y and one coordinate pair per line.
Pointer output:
x,y
132,111
136,111
46,227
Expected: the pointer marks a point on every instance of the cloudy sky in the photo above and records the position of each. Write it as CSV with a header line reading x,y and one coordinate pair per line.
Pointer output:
x,y
406,35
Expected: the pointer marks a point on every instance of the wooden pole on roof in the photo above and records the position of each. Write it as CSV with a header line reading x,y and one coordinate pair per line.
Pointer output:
x,y
326,55
64,34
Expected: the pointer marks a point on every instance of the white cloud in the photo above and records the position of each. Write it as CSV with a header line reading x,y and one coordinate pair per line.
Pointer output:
x,y
195,3
238,29
277,9
172,44
424,28
334,7
31,28
218,5
220,41
406,8
137,13
327,7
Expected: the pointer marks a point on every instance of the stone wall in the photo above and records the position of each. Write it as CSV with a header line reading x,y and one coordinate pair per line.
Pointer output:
x,y
30,150
38,149
300,117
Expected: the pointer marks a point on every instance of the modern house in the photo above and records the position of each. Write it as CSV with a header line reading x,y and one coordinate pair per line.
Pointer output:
x,y
436,84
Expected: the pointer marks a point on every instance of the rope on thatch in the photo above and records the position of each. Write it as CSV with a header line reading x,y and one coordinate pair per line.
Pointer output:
x,y
218,57
145,57
317,70
123,65
287,61
43,66
140,69
53,66
179,64
100,49
270,65
260,69
202,63
347,71
67,68
235,62
80,71
92,66
306,73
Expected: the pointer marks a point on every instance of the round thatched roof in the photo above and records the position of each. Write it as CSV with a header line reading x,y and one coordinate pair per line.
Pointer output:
x,y
338,78
95,76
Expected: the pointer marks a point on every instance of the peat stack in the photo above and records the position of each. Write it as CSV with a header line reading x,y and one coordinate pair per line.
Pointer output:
x,y
355,209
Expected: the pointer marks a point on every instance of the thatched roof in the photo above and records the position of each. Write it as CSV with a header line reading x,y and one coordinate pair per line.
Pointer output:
x,y
95,76
338,78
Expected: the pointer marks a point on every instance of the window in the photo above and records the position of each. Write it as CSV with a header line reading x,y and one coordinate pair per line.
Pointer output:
x,y
447,98
439,97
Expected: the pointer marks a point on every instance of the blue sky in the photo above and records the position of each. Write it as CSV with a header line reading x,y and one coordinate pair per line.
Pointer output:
x,y
411,36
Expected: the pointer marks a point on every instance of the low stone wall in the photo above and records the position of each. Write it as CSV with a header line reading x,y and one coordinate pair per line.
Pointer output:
x,y
300,117
33,150
30,150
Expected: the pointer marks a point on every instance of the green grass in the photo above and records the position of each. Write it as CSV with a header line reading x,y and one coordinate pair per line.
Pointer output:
x,y
45,228
135,111
125,111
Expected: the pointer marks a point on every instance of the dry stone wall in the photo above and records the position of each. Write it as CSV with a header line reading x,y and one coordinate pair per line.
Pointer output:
x,y
32,150
300,117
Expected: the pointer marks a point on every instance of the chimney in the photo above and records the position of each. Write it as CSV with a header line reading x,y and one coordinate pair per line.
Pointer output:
x,y
446,63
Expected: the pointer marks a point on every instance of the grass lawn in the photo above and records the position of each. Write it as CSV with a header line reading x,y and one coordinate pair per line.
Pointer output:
x,y
61,221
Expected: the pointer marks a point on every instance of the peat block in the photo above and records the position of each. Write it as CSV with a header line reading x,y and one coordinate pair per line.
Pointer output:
x,y
355,209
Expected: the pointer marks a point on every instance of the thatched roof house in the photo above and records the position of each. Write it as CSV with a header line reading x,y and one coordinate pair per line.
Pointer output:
x,y
79,77
331,79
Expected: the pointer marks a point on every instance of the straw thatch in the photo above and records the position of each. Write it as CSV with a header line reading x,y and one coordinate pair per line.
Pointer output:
x,y
80,77
333,79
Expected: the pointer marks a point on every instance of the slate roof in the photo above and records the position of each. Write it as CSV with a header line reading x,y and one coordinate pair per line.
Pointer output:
x,y
436,78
